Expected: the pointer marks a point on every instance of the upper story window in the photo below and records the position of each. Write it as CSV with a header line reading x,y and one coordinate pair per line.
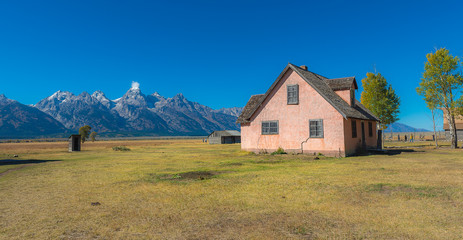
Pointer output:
x,y
316,128
354,128
293,94
370,129
269,127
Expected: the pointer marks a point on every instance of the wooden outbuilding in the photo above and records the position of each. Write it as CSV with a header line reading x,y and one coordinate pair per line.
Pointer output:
x,y
75,141
224,137
458,125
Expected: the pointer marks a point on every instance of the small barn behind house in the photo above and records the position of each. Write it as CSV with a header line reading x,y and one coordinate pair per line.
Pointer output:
x,y
74,142
224,137
458,125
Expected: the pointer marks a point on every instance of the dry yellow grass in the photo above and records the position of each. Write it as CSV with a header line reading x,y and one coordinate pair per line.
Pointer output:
x,y
155,191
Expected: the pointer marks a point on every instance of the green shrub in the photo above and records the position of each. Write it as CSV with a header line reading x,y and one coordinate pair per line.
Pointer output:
x,y
263,151
121,148
279,151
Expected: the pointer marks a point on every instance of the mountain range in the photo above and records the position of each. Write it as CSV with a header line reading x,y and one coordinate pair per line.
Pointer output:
x,y
18,120
133,114
400,127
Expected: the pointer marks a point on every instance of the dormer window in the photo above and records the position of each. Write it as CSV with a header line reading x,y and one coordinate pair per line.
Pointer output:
x,y
293,94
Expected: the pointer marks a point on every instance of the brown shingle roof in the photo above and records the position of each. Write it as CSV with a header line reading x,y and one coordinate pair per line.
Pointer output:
x,y
321,85
227,133
341,83
250,108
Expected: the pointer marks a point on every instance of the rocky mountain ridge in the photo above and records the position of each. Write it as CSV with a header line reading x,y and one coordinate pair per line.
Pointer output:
x,y
18,120
400,127
134,112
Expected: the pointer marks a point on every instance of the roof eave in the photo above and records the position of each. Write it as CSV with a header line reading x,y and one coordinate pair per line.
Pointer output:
x,y
296,69
269,90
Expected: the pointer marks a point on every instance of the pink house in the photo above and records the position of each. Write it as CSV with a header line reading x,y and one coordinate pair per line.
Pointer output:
x,y
305,112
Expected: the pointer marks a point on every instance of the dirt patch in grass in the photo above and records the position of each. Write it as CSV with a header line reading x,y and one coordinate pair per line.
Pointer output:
x,y
232,164
13,169
77,234
380,170
201,175
187,176
270,161
407,190
21,164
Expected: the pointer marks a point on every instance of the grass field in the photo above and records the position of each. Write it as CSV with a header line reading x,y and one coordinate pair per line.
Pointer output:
x,y
185,189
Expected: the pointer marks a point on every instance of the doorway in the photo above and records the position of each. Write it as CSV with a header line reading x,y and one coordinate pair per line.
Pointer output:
x,y
75,144
364,144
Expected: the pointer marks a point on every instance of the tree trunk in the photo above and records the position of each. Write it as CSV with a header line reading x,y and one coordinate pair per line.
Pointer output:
x,y
433,113
452,130
383,138
379,140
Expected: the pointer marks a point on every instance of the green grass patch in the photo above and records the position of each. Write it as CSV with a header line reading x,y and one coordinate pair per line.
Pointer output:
x,y
279,151
121,148
407,190
184,176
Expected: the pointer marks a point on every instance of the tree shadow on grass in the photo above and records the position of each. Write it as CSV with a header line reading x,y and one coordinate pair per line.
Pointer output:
x,y
390,151
5,162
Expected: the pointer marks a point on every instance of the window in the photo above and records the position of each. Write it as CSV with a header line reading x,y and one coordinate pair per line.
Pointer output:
x,y
354,129
269,127
316,128
370,129
293,94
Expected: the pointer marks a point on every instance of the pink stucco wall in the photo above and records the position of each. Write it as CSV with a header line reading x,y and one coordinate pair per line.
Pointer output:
x,y
294,122
352,144
345,95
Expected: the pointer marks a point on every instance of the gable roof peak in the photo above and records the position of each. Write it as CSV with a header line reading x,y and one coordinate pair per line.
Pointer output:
x,y
321,85
294,67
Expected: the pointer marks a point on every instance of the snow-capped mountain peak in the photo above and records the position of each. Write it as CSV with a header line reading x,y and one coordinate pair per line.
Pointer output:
x,y
133,96
4,99
60,95
101,97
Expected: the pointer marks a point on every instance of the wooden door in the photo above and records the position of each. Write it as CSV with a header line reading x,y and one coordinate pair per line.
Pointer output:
x,y
364,144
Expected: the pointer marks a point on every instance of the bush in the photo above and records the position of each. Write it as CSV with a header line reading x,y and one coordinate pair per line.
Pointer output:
x,y
279,151
121,148
263,151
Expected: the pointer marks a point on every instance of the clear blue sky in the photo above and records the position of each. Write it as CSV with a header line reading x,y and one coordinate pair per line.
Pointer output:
x,y
219,53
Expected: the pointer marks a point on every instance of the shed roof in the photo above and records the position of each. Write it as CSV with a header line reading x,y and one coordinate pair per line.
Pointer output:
x,y
75,135
322,86
227,133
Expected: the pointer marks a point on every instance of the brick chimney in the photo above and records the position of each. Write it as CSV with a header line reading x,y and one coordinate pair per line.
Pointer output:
x,y
304,67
